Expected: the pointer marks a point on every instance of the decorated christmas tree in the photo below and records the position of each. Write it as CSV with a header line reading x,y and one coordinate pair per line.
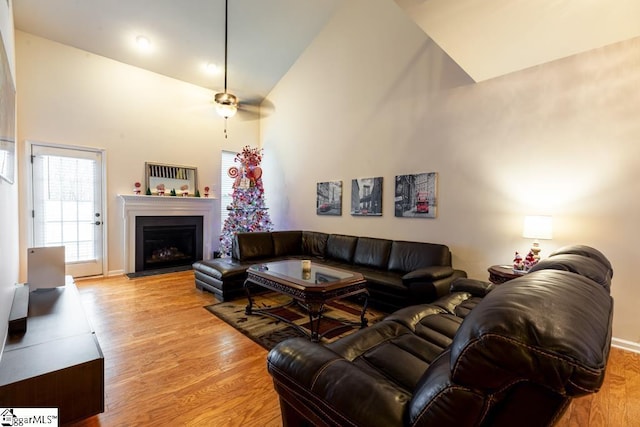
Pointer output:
x,y
247,212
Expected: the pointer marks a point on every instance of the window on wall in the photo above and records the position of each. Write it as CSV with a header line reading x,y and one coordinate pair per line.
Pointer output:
x,y
226,184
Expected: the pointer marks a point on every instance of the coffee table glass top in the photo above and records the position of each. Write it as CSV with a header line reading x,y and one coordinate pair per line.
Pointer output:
x,y
319,274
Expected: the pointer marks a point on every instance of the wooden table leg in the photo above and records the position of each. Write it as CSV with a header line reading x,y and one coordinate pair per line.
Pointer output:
x,y
247,285
315,315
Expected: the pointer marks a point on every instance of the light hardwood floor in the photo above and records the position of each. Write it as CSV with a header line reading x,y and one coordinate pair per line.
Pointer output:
x,y
170,362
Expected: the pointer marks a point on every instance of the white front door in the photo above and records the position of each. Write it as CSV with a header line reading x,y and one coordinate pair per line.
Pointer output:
x,y
67,205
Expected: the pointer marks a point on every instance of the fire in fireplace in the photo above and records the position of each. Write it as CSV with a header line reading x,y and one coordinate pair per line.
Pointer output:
x,y
167,243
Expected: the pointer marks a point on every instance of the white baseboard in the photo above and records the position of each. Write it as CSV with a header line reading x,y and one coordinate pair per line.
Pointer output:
x,y
625,345
112,273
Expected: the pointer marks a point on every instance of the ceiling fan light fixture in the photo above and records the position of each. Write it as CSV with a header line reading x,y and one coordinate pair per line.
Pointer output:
x,y
226,104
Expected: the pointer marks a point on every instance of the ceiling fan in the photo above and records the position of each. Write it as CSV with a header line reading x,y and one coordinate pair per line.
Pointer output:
x,y
226,103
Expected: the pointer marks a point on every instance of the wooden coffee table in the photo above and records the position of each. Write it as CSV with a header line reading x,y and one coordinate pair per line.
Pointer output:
x,y
311,290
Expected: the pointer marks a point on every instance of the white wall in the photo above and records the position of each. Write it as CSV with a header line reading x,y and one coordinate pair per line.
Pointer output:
x,y
69,96
8,204
374,96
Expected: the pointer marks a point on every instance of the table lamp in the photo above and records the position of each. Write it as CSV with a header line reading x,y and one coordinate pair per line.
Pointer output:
x,y
537,227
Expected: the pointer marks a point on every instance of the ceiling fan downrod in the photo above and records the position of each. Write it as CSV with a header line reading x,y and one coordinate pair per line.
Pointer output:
x,y
226,103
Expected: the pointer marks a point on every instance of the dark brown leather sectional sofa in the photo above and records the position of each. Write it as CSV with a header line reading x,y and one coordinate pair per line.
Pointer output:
x,y
398,273
483,355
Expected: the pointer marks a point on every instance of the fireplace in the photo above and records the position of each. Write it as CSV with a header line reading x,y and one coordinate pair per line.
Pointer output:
x,y
167,243
135,208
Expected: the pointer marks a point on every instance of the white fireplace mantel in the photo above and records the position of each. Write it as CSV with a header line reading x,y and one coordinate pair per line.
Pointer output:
x,y
133,206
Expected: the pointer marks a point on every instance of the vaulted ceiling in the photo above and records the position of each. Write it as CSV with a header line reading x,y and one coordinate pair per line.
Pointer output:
x,y
487,38
490,38
265,36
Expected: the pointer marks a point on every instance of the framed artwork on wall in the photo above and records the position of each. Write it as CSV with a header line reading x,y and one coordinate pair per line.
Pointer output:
x,y
329,198
164,177
416,195
7,118
366,197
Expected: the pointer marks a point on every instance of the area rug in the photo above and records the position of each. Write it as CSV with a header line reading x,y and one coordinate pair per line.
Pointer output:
x,y
268,331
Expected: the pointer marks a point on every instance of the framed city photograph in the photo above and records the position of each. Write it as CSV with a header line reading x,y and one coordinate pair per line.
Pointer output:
x,y
366,197
329,198
416,195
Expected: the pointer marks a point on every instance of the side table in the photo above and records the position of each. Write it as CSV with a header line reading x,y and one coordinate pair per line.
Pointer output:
x,y
502,273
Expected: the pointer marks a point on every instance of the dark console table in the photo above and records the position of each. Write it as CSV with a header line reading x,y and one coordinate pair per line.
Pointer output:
x,y
57,362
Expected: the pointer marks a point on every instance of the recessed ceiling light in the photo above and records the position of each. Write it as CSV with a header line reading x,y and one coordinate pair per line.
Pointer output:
x,y
143,43
212,68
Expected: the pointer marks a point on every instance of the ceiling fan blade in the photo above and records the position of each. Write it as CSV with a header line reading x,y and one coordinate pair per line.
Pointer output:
x,y
247,114
254,108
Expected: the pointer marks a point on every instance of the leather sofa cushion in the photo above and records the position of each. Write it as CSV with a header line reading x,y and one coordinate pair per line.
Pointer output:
x,y
341,247
390,352
221,268
401,348
475,287
427,274
596,271
371,252
585,251
386,279
287,243
257,245
438,401
536,328
409,256
314,243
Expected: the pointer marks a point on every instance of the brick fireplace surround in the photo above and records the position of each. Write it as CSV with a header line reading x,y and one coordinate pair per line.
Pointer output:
x,y
133,206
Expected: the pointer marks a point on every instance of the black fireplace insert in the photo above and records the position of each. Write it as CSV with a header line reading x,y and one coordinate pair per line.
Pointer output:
x,y
167,243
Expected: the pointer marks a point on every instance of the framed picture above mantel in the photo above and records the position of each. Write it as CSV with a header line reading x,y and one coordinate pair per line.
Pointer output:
x,y
163,178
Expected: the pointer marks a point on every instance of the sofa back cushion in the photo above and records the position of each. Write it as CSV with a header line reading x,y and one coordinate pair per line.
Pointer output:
x,y
314,244
248,246
579,259
549,327
341,247
585,251
287,243
578,264
409,256
372,252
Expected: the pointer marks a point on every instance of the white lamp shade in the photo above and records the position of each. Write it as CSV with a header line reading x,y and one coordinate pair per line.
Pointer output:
x,y
226,110
226,104
537,227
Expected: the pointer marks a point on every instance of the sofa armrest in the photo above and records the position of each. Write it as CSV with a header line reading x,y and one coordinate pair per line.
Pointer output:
x,y
478,288
321,384
427,274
